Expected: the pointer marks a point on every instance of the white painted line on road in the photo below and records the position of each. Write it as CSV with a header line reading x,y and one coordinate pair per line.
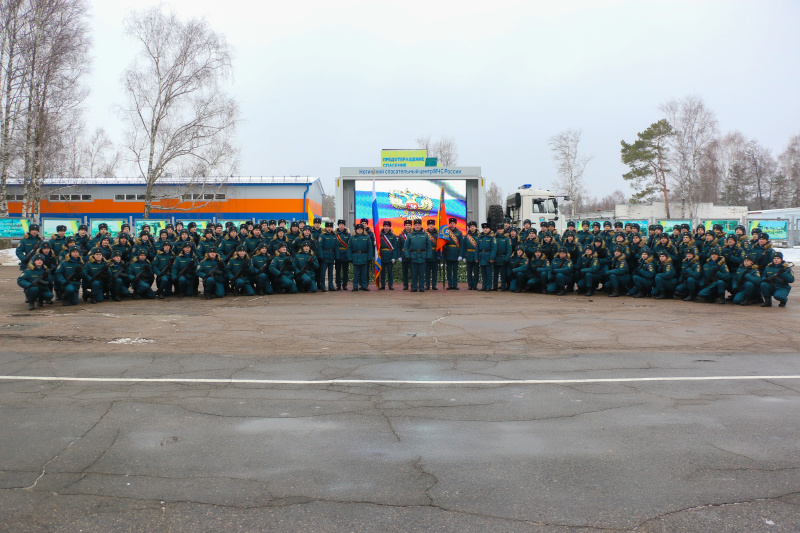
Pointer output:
x,y
393,381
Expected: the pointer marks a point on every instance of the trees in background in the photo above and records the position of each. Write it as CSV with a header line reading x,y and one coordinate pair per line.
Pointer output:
x,y
648,158
179,118
570,165
44,54
445,149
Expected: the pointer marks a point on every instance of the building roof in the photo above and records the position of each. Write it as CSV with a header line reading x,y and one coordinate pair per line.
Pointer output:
x,y
231,180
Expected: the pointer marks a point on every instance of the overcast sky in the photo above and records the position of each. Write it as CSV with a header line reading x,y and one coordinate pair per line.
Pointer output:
x,y
324,84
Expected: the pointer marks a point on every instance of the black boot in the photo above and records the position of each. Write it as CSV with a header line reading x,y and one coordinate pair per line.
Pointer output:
x,y
30,305
767,303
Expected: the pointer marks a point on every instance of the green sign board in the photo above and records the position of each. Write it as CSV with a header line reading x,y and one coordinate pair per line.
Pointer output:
x,y
13,228
728,226
201,224
669,224
49,226
236,223
155,225
114,226
776,229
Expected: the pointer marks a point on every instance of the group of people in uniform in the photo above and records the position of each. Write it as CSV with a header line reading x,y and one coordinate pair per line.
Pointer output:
x,y
269,258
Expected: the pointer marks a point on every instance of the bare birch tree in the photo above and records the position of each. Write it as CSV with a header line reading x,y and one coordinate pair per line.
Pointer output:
x,y
445,149
694,128
789,161
570,165
179,118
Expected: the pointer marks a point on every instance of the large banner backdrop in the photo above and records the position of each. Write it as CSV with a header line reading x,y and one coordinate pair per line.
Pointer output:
x,y
402,199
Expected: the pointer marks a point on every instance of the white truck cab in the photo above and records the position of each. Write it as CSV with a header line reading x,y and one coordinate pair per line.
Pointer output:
x,y
535,205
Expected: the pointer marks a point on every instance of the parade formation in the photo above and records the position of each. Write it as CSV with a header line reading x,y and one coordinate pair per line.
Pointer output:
x,y
269,258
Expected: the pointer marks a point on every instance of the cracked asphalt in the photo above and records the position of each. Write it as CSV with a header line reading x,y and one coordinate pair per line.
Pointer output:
x,y
645,456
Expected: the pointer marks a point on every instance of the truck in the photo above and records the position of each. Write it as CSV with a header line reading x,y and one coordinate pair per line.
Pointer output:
x,y
536,205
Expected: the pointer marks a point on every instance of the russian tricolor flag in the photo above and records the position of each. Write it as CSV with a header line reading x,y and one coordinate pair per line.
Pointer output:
x,y
376,231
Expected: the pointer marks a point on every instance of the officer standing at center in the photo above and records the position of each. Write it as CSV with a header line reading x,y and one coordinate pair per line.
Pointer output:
x,y
417,250
388,246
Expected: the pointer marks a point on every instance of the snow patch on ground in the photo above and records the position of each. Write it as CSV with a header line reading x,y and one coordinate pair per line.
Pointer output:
x,y
128,340
9,257
790,254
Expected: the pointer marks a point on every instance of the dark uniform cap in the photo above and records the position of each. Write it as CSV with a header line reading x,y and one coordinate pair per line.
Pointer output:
x,y
187,244
750,257
280,229
61,228
691,250
452,219
407,222
755,230
618,224
665,254
116,253
167,243
597,239
358,227
213,250
83,226
664,236
418,221
585,223
192,224
125,225
700,226
551,224
485,225
241,227
70,239
658,226
717,227
317,220
506,220
162,232
281,221
207,231
732,236
740,227
44,244
281,244
627,224
329,224
364,221
294,225
545,234
646,250
272,222
340,221
241,248
263,222
102,225
122,236
93,252
532,231
169,226
526,221
763,235
778,254
595,224
472,223
606,223
501,226
620,249
562,249
715,251
569,233
142,252
387,223
636,226
186,231
570,224
431,222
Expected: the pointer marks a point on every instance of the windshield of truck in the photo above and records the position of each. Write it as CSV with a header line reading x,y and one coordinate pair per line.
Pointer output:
x,y
543,205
